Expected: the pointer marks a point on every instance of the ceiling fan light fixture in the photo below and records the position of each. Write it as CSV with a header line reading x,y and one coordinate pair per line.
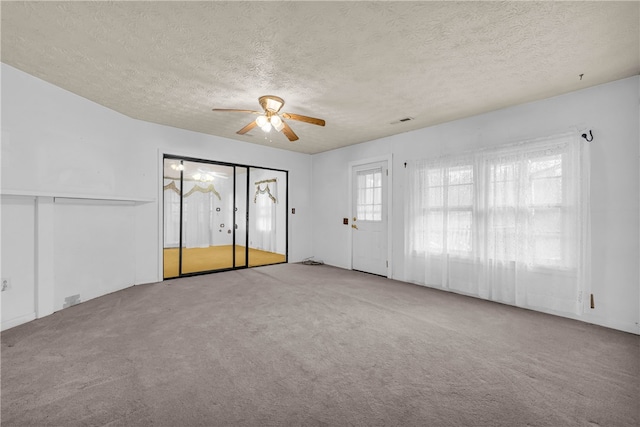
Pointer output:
x,y
271,103
261,121
266,127
269,117
276,122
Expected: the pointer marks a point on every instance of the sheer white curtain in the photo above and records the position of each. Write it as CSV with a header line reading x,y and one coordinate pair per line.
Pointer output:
x,y
199,222
508,224
171,213
266,198
197,215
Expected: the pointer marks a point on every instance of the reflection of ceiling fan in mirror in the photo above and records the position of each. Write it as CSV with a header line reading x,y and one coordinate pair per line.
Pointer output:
x,y
207,175
270,118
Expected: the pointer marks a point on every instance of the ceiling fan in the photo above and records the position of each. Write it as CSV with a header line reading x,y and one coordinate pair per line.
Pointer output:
x,y
269,117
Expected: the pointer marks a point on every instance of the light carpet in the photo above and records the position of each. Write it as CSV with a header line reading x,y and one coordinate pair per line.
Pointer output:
x,y
291,345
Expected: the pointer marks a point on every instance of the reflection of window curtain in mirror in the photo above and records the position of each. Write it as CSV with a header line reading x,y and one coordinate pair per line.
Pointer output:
x,y
171,213
198,215
266,198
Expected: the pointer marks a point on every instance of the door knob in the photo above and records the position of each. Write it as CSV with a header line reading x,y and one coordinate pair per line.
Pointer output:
x,y
355,219
354,226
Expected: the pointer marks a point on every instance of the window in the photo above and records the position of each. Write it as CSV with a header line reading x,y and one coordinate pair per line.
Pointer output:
x,y
522,216
448,212
547,211
369,202
526,211
509,223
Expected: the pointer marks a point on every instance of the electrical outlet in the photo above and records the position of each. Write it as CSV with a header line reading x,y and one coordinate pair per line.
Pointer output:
x,y
6,284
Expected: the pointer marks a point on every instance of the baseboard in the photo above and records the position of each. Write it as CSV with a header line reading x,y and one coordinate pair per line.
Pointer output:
x,y
8,324
632,328
147,281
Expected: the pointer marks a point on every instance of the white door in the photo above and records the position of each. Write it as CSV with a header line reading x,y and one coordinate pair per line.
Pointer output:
x,y
369,218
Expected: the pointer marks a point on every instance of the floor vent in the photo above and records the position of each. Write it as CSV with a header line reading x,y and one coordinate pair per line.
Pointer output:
x,y
72,300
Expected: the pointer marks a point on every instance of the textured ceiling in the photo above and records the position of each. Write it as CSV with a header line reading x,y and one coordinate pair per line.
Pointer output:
x,y
359,65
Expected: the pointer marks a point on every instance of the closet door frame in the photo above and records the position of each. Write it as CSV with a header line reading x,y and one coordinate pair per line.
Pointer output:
x,y
166,156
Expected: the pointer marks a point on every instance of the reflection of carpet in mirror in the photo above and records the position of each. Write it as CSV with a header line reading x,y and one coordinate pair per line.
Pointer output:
x,y
215,258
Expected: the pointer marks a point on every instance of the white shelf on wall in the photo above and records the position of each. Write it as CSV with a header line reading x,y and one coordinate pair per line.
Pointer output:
x,y
76,197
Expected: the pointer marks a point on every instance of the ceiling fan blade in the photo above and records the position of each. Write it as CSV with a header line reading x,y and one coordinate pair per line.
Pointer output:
x,y
237,111
289,133
247,128
305,119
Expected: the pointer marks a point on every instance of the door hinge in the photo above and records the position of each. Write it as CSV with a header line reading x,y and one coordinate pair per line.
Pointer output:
x,y
387,264
387,170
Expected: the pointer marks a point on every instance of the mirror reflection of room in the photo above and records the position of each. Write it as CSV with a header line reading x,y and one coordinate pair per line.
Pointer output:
x,y
207,217
267,217
200,197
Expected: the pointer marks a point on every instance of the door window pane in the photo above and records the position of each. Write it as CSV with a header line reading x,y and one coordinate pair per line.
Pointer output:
x,y
369,195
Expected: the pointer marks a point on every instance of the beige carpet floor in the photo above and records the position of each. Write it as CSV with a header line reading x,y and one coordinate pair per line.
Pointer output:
x,y
297,345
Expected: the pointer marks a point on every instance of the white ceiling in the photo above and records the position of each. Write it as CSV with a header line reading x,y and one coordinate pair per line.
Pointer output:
x,y
359,65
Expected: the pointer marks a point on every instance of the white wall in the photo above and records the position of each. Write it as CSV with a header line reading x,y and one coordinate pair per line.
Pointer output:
x,y
610,110
18,248
93,249
58,145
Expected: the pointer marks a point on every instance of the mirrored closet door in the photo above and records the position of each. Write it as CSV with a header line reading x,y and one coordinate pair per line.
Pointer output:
x,y
267,217
221,216
241,216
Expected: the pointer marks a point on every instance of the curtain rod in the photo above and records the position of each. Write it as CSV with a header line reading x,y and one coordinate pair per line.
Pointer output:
x,y
266,180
